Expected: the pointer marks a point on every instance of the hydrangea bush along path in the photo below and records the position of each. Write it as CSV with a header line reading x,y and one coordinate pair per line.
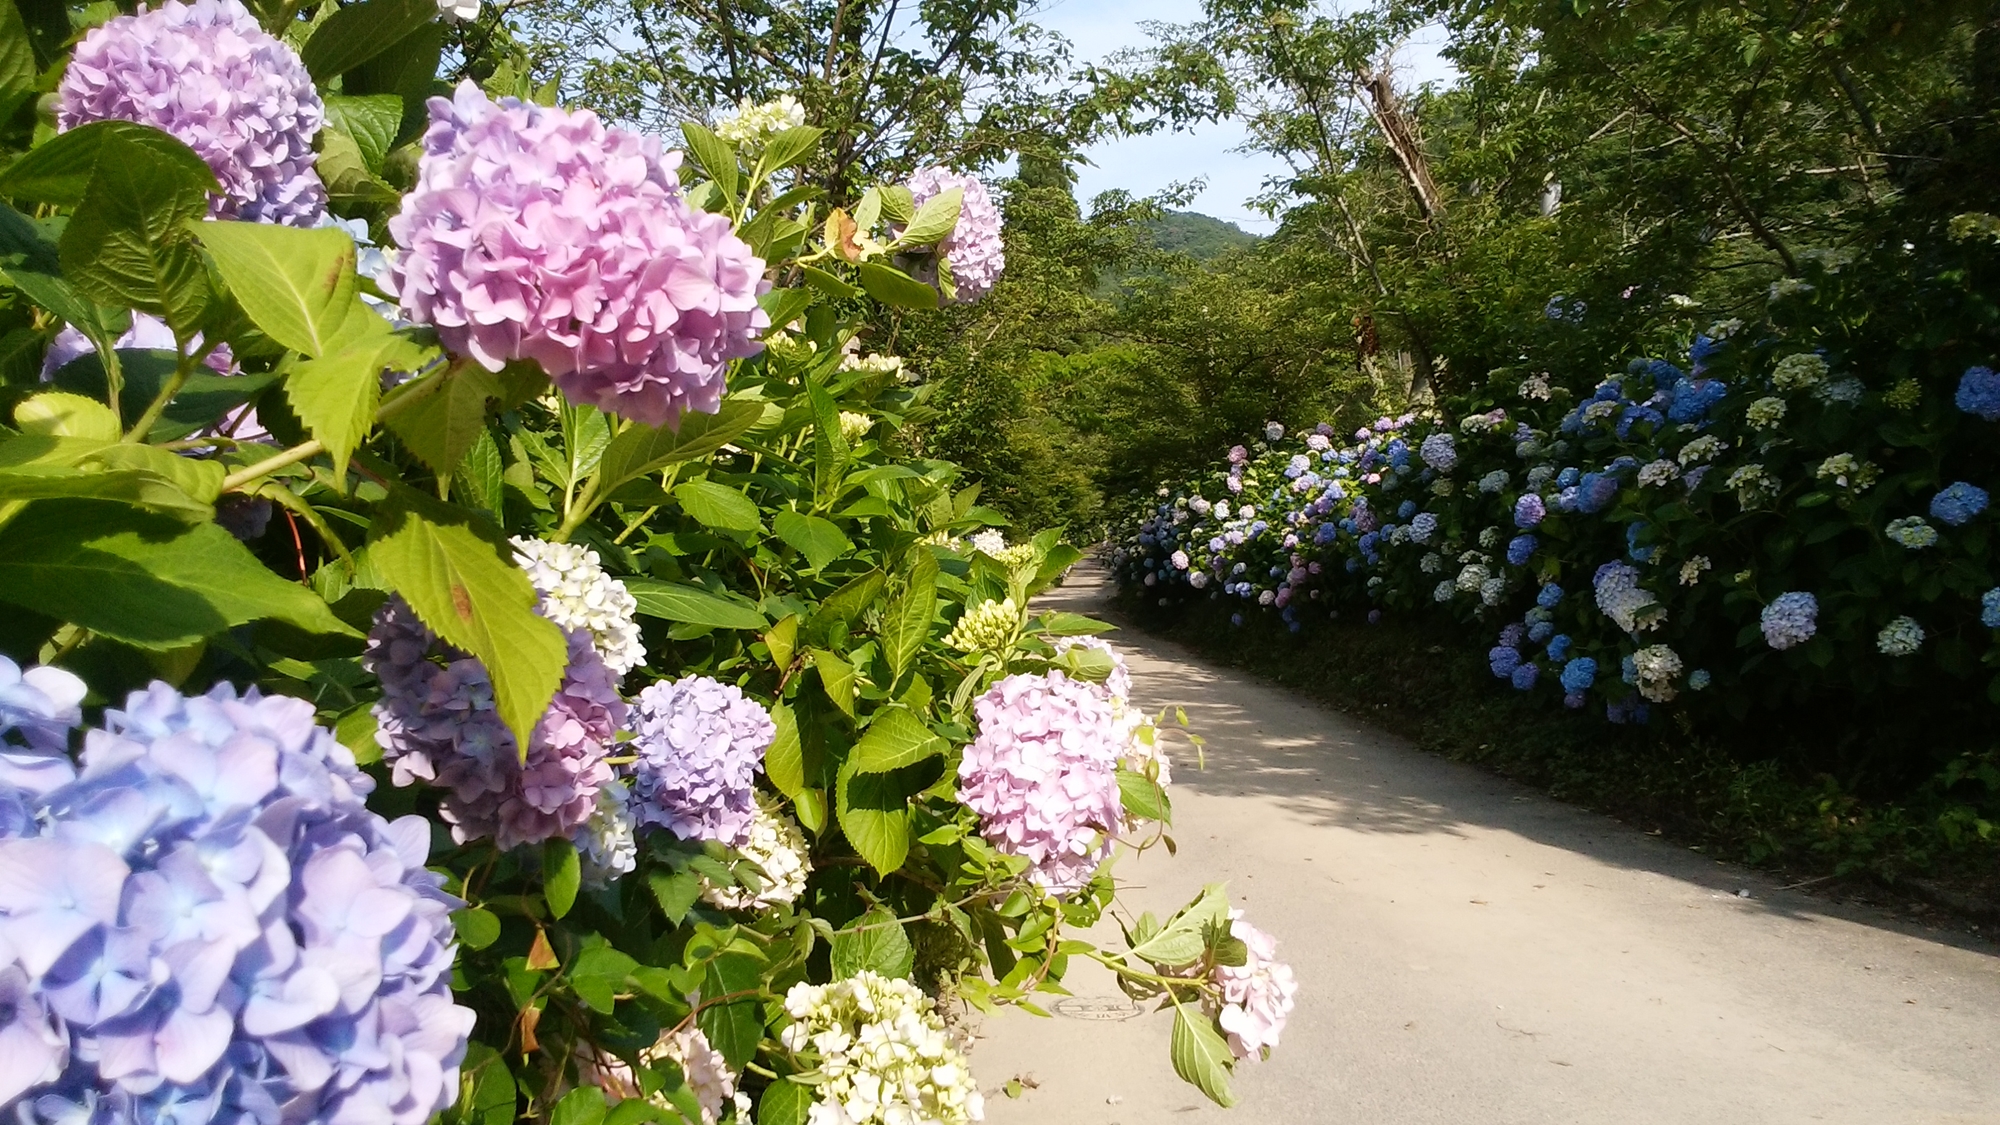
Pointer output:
x,y
1470,952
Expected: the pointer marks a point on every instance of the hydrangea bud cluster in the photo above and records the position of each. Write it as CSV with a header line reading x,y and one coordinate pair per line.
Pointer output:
x,y
700,745
777,845
754,123
1042,774
987,627
1257,996
578,594
206,73
707,1072
436,722
209,924
587,260
972,250
883,1053
1790,620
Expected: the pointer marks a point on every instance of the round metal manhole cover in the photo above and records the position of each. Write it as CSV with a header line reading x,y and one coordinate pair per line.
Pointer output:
x,y
1097,1008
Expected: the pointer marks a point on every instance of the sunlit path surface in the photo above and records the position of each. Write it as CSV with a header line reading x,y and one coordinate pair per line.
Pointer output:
x,y
1474,954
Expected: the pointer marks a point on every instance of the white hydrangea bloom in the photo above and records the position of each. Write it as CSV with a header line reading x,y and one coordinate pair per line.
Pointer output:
x,y
854,425
1655,668
1656,473
606,841
1704,448
753,123
884,1056
778,847
578,594
708,1076
1797,372
1691,570
991,542
458,11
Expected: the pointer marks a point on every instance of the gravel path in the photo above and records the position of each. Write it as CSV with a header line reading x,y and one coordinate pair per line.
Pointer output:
x,y
1472,953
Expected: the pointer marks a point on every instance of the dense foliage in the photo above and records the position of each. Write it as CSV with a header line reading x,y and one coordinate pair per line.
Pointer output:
x,y
480,641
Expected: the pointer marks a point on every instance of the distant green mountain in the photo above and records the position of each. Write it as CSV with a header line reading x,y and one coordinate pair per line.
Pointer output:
x,y
1199,236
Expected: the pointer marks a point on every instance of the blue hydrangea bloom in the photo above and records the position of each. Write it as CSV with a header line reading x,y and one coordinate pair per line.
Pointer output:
x,y
1503,660
1703,349
211,925
1596,492
1989,608
1579,674
1520,549
1524,677
1699,679
1406,509
1325,533
1633,415
1568,476
1551,594
1791,619
1559,647
1957,503
1529,511
1694,398
1979,393
1423,526
1541,631
1632,533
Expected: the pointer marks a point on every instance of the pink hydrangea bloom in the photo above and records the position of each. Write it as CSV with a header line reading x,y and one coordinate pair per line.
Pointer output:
x,y
1257,996
1043,774
436,722
537,233
973,247
208,74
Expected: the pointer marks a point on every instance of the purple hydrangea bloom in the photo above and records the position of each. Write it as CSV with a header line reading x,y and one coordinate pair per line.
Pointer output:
x,y
1513,634
1957,503
1042,775
1439,451
213,926
1979,393
972,249
1520,549
1529,511
1791,619
536,233
1595,492
39,708
700,746
436,722
208,74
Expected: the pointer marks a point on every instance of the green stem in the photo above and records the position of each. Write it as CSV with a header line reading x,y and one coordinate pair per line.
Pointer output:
x,y
183,371
393,404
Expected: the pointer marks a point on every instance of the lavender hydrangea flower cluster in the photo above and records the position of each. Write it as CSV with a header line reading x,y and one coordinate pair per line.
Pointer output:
x,y
972,250
1631,606
211,925
1439,451
39,708
1042,775
1257,996
436,722
208,74
1790,620
587,258
700,746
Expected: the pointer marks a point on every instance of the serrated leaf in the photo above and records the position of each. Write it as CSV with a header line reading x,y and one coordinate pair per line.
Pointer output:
x,y
59,414
829,284
896,738
788,147
894,287
371,120
641,450
1061,624
874,813
17,61
359,32
1201,1055
784,759
819,540
295,284
127,242
145,579
836,677
449,415
718,506
715,157
59,171
785,1103
484,475
466,588
487,1094
675,892
906,623
562,875
877,944
734,1026
935,219
1142,797
581,1106
673,601
336,396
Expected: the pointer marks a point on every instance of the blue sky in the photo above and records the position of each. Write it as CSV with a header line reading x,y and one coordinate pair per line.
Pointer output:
x,y
1143,165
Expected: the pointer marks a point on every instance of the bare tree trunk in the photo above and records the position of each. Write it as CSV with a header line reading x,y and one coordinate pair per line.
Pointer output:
x,y
1380,98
